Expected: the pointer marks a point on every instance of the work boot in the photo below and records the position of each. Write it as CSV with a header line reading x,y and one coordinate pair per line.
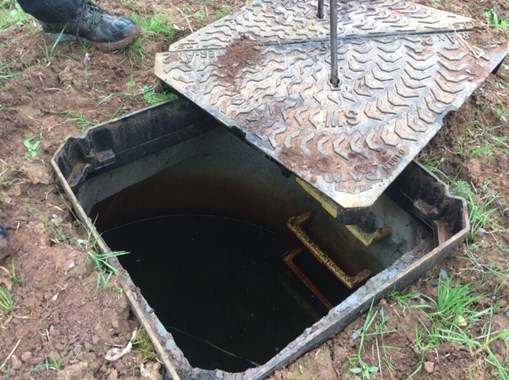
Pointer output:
x,y
95,26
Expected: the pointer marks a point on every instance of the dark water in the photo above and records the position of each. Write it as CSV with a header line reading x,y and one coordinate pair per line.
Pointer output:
x,y
219,286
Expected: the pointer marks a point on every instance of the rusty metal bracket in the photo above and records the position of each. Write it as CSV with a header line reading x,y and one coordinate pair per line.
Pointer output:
x,y
368,238
295,225
288,259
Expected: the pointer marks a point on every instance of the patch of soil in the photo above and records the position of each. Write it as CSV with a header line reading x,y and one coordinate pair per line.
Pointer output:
x,y
239,54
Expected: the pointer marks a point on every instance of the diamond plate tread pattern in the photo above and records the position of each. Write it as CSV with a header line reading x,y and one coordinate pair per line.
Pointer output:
x,y
402,68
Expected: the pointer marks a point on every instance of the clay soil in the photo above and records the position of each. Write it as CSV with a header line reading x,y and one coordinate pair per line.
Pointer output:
x,y
62,325
238,55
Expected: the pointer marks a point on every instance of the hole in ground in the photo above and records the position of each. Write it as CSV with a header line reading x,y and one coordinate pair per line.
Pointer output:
x,y
220,286
207,234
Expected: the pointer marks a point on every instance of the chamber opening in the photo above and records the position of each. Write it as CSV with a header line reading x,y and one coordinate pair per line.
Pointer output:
x,y
219,286
209,248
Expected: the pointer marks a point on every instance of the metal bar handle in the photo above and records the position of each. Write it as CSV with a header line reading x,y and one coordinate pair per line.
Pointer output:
x,y
334,77
320,9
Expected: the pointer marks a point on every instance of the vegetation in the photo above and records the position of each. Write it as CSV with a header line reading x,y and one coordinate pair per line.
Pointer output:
x,y
495,21
6,302
11,14
143,344
374,329
50,50
153,27
454,317
101,261
77,118
32,145
152,97
14,275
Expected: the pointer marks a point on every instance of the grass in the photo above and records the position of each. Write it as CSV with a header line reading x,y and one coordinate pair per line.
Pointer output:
x,y
481,208
501,115
59,234
433,165
225,10
409,299
455,305
152,97
11,15
6,301
51,363
481,203
14,275
143,345
153,27
492,145
77,118
495,21
455,317
101,262
50,51
485,141
372,332
436,3
5,71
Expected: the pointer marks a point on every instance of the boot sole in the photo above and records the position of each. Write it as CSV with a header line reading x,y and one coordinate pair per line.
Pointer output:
x,y
103,46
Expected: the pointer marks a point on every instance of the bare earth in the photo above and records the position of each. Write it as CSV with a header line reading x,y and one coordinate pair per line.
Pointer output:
x,y
62,325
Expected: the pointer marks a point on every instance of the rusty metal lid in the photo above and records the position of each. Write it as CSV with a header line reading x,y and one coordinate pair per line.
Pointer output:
x,y
265,71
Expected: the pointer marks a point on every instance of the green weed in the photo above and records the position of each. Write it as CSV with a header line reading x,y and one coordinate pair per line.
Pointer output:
x,y
200,15
11,14
495,21
77,118
500,82
409,299
50,51
455,305
5,71
436,3
481,204
433,165
500,115
101,262
143,344
14,275
53,362
132,83
374,328
136,52
156,25
59,234
481,208
450,316
152,98
6,302
32,145
493,145
225,10
153,27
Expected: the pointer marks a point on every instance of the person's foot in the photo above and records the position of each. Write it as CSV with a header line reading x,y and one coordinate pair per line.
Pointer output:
x,y
95,26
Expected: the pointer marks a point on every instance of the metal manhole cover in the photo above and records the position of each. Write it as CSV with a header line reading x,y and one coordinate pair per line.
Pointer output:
x,y
266,72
